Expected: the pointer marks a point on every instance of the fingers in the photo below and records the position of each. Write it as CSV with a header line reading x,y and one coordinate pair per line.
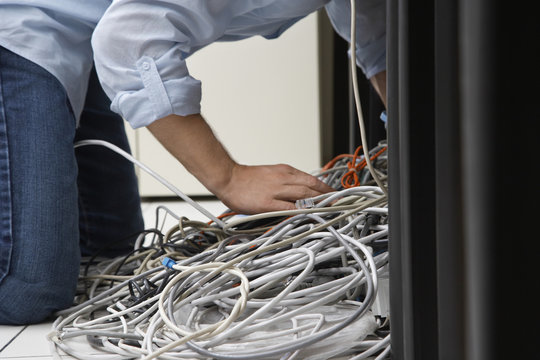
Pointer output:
x,y
292,193
303,179
257,189
279,205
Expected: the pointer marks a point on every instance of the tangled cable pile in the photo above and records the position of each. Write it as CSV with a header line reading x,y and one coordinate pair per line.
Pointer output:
x,y
284,285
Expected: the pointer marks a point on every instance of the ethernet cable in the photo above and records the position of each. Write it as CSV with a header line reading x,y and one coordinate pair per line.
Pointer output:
x,y
357,99
153,174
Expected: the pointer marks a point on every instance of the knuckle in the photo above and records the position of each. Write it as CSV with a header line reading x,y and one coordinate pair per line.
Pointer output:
x,y
312,181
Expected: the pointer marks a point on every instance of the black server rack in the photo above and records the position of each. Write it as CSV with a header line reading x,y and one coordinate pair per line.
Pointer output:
x,y
463,83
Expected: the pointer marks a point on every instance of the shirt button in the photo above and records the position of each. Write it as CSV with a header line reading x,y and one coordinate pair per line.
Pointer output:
x,y
145,66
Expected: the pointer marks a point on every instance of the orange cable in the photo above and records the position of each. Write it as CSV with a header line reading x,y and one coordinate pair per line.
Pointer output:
x,y
350,178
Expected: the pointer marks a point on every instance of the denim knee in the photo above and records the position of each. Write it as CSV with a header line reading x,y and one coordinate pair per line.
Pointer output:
x,y
23,302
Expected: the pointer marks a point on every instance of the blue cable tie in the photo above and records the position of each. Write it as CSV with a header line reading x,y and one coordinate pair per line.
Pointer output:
x,y
168,262
383,116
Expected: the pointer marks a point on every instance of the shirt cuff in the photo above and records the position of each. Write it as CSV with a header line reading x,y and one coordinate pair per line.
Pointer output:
x,y
157,98
372,57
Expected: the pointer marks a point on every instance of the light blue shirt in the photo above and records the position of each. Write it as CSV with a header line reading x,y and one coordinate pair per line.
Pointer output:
x,y
54,34
140,46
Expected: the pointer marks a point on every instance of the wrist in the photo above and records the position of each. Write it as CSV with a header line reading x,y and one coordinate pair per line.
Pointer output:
x,y
221,178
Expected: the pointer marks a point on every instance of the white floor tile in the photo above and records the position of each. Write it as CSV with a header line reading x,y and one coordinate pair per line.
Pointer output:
x,y
31,342
44,357
7,333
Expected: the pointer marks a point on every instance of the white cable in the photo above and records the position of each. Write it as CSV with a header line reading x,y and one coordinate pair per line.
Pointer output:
x,y
219,326
153,174
374,349
357,100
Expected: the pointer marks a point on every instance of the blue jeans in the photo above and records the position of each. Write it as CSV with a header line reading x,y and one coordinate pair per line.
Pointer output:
x,y
56,202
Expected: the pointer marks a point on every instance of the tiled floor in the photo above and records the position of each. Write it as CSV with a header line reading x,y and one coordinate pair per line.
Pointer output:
x,y
30,342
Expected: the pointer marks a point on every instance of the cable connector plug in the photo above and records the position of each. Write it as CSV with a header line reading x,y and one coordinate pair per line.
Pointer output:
x,y
168,262
55,336
305,203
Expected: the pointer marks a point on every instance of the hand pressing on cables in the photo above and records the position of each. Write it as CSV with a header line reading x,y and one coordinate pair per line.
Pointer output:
x,y
244,189
254,189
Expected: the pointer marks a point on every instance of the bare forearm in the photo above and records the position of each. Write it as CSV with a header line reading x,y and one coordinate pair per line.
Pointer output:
x,y
245,189
192,142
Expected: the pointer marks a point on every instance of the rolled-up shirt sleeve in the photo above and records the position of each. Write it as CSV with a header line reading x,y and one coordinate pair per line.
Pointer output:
x,y
370,31
140,49
141,46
